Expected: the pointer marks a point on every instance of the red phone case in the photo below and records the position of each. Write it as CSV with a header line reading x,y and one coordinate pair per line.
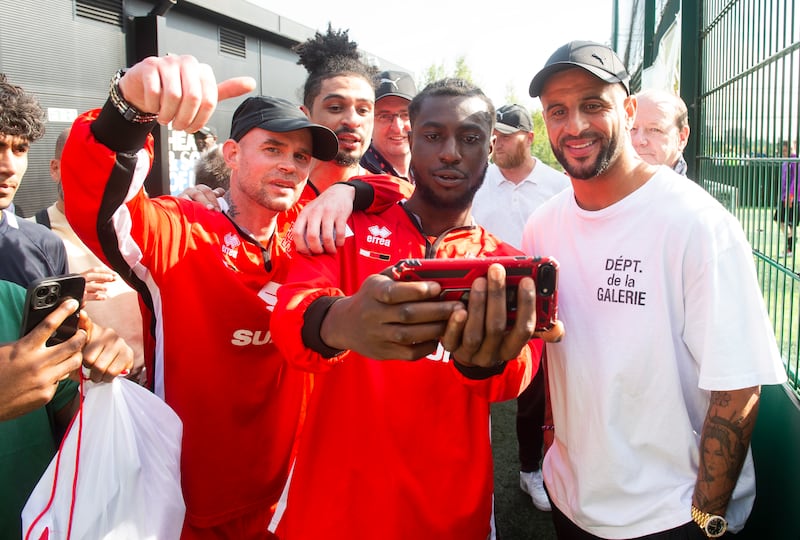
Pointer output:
x,y
456,277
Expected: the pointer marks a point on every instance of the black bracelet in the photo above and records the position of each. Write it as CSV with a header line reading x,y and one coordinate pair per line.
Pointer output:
x,y
364,196
128,111
479,373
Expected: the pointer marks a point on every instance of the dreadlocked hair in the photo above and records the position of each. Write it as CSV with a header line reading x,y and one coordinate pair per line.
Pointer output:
x,y
330,55
20,113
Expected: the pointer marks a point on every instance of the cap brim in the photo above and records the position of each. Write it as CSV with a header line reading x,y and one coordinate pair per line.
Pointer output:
x,y
506,129
396,94
540,79
326,144
324,141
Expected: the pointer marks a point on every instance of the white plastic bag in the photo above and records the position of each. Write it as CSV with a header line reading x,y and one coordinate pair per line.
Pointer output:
x,y
117,473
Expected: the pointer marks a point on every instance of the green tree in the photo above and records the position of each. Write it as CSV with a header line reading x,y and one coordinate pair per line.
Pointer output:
x,y
438,71
511,94
462,70
433,73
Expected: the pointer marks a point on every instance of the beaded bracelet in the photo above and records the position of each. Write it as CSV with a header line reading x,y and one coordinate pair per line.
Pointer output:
x,y
128,111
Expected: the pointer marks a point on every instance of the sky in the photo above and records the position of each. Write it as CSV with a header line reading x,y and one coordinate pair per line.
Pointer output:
x,y
504,42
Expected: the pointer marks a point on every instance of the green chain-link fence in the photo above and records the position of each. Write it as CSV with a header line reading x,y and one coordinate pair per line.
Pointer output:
x,y
739,75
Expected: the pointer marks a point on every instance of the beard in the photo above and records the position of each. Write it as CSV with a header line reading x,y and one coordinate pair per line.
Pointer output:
x,y
344,159
461,202
585,170
513,159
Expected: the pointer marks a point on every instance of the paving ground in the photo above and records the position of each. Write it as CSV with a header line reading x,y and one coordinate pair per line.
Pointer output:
x,y
515,516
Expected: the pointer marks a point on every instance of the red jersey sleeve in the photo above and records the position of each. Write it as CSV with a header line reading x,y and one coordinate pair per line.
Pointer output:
x,y
309,278
90,170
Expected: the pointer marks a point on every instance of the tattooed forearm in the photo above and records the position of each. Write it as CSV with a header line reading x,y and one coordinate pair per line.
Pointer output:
x,y
724,440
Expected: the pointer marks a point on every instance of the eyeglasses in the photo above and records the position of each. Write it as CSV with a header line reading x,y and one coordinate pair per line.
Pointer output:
x,y
387,117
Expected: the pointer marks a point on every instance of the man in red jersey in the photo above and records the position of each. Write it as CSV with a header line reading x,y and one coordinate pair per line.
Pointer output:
x,y
396,443
208,277
339,94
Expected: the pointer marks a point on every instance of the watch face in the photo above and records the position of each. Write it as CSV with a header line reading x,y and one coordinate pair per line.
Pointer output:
x,y
716,526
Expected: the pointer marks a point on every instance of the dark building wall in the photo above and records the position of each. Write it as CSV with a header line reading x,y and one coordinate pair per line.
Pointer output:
x,y
273,66
66,62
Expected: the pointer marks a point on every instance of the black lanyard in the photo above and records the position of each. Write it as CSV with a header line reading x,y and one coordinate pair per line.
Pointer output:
x,y
248,237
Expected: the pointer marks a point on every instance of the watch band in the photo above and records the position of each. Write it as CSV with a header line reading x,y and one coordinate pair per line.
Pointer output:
x,y
128,111
712,525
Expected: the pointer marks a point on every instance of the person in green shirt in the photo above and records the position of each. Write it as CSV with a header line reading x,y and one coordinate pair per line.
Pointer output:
x,y
37,397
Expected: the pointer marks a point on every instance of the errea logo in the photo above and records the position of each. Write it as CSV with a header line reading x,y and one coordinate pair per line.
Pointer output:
x,y
231,245
379,235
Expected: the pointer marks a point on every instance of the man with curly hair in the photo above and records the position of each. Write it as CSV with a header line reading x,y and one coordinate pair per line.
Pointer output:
x,y
339,94
21,123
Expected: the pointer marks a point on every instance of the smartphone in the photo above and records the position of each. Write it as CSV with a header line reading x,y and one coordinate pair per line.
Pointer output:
x,y
456,277
44,296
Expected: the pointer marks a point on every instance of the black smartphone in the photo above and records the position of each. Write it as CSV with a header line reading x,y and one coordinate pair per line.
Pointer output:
x,y
44,296
456,277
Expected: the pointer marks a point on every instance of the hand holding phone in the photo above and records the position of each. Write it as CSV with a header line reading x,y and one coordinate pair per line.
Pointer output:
x,y
44,296
456,277
30,371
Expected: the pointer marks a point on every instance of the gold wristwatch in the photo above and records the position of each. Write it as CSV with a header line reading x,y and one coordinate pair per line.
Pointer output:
x,y
713,526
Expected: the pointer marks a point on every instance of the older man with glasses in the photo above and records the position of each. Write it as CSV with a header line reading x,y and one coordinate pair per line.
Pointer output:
x,y
389,153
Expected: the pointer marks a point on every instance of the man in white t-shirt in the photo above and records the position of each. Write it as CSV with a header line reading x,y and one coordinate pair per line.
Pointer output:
x,y
655,386
516,184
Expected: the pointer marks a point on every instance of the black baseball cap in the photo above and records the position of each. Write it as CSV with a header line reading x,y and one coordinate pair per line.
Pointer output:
x,y
513,118
595,58
280,115
394,83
